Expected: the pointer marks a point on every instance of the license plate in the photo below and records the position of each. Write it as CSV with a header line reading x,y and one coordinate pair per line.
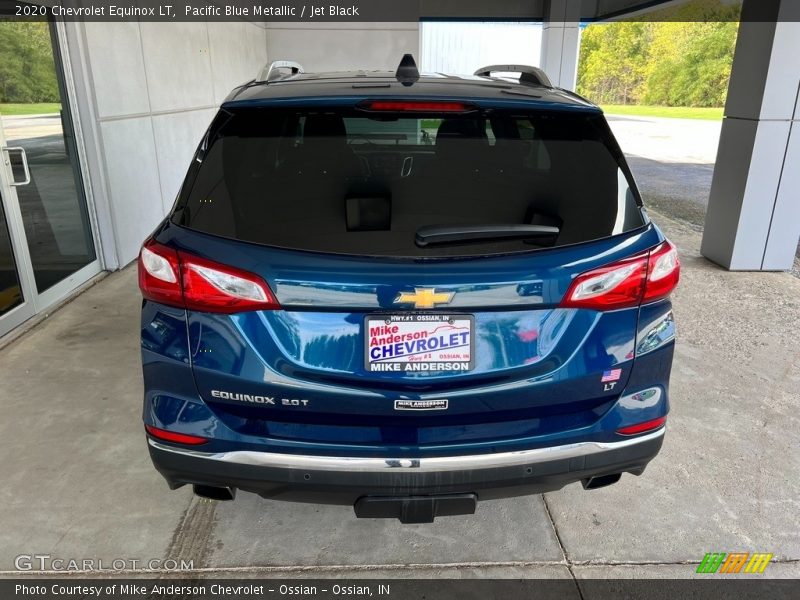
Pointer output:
x,y
416,343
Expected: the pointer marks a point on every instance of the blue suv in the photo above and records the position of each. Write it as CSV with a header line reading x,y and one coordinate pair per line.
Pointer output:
x,y
406,293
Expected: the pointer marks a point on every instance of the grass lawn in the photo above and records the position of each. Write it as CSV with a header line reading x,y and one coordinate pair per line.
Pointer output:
x,y
675,112
29,109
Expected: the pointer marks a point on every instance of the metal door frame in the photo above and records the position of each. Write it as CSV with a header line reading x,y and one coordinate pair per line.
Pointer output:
x,y
19,245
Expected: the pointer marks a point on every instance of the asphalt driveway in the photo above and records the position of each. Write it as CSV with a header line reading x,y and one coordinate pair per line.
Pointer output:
x,y
672,161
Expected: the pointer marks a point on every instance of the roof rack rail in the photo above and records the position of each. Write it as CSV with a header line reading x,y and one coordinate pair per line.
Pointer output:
x,y
527,73
271,72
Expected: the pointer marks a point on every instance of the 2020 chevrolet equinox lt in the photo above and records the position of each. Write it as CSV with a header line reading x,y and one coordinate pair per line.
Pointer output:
x,y
406,293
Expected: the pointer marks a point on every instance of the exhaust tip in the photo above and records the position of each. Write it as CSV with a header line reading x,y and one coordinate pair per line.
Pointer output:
x,y
600,481
214,493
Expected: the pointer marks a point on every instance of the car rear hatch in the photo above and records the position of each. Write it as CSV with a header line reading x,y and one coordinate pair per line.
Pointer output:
x,y
415,297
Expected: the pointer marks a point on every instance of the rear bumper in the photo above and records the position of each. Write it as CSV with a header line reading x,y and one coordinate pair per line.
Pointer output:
x,y
343,480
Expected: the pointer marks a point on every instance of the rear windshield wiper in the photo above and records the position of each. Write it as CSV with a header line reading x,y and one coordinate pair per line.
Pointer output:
x,y
433,235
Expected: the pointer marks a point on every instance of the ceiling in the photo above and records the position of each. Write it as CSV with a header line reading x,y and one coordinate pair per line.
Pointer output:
x,y
535,10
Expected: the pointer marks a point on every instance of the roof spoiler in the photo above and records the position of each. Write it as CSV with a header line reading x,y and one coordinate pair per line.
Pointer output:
x,y
272,71
527,74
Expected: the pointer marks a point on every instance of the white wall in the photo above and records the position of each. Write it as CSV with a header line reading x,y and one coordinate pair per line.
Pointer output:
x,y
462,47
154,88
343,46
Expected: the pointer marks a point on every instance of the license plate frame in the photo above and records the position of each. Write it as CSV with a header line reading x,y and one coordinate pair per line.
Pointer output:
x,y
460,357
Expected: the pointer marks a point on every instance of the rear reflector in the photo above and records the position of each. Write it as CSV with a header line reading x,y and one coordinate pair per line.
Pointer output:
x,y
180,279
171,436
643,427
415,106
629,282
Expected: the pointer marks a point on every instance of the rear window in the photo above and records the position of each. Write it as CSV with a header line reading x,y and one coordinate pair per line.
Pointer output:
x,y
353,182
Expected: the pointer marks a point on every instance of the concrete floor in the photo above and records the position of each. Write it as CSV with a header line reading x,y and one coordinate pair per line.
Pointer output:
x,y
78,482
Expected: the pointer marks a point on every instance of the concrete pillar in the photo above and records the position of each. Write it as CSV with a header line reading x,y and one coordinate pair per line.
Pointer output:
x,y
561,36
753,218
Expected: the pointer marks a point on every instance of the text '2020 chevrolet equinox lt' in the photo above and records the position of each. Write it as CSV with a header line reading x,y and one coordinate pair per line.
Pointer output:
x,y
406,293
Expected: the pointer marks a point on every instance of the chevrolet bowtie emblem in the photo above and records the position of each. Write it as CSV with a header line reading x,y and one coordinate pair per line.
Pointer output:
x,y
424,297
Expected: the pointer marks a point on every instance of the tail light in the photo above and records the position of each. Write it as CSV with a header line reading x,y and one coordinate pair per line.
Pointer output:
x,y
159,272
416,106
180,279
629,282
663,272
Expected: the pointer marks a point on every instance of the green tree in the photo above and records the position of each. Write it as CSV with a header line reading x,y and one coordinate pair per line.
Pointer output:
x,y
27,71
613,66
681,57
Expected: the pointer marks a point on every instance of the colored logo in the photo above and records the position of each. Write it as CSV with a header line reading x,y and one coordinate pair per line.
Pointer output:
x,y
735,562
611,375
424,297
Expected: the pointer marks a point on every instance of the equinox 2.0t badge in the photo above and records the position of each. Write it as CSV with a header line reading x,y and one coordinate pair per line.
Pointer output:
x,y
424,297
420,404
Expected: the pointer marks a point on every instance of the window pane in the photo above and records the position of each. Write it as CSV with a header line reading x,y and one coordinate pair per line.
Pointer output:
x,y
347,182
35,117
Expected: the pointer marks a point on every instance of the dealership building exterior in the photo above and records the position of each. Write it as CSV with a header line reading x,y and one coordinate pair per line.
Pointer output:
x,y
136,97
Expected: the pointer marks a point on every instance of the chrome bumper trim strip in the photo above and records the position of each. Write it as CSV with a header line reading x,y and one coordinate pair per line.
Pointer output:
x,y
422,465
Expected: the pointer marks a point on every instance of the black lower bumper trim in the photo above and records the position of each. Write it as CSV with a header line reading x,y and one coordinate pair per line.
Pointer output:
x,y
415,509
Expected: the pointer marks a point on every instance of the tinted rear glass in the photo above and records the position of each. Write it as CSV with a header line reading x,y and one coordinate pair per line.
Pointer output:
x,y
348,181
